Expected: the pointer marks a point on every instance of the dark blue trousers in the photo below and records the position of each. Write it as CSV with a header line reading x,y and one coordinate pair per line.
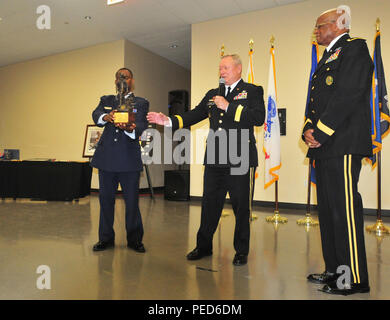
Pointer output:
x,y
108,185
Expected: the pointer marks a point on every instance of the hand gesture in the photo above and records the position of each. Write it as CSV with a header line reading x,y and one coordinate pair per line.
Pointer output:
x,y
158,118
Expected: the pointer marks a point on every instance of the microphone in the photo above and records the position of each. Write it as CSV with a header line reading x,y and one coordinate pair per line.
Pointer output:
x,y
221,92
221,88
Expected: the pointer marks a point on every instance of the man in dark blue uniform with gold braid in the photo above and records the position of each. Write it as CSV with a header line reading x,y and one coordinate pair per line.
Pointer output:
x,y
118,158
233,111
338,133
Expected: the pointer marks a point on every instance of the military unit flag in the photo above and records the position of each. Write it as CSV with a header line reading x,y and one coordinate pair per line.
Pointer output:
x,y
380,118
314,62
271,146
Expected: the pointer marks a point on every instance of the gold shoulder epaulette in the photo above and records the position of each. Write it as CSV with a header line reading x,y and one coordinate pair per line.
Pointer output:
x,y
351,39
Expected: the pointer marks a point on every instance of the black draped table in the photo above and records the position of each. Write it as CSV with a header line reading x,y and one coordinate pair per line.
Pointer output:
x,y
45,180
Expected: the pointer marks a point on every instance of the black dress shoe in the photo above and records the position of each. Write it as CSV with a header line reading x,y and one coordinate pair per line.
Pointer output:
x,y
322,278
103,245
139,247
240,259
197,254
332,288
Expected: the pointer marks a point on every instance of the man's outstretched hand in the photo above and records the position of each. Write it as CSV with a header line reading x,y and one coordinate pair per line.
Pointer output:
x,y
157,118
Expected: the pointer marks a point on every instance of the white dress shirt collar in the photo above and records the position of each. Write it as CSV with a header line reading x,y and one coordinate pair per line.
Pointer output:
x,y
232,86
334,41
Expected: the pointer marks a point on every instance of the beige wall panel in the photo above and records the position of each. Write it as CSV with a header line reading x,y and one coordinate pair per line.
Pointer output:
x,y
292,26
47,103
154,78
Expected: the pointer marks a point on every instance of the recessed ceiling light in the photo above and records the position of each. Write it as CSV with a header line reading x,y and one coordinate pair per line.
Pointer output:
x,y
111,2
88,18
173,46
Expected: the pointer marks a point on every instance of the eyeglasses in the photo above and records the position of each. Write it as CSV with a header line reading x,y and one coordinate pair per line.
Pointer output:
x,y
125,77
319,26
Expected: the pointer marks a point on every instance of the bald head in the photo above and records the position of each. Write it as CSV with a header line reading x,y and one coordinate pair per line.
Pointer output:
x,y
332,23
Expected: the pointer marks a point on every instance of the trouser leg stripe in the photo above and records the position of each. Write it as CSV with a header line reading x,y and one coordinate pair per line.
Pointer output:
x,y
347,206
353,221
251,182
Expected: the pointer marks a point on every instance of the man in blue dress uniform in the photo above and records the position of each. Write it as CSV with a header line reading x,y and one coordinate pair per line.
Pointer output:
x,y
118,158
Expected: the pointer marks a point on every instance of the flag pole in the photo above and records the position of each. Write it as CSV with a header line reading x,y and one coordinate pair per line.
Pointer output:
x,y
379,228
276,218
379,213
253,216
308,220
225,213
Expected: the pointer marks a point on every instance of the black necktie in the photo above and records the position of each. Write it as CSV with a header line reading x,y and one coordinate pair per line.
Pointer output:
x,y
326,55
228,92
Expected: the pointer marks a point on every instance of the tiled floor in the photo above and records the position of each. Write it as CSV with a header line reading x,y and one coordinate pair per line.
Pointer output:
x,y
61,235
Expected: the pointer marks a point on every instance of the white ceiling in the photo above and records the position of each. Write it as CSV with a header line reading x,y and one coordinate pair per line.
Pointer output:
x,y
151,24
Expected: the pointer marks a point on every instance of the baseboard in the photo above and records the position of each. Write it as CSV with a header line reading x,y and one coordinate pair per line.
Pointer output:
x,y
263,204
298,206
156,190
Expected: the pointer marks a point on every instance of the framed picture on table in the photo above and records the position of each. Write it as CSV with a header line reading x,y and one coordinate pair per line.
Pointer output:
x,y
91,139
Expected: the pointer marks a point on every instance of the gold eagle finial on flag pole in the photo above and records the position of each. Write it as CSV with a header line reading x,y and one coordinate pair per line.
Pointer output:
x,y
272,41
251,42
378,24
222,50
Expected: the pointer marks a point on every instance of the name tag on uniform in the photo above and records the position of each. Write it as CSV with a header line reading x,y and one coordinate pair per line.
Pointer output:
x,y
241,95
108,108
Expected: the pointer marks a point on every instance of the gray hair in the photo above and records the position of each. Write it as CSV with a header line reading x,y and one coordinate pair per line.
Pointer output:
x,y
236,58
